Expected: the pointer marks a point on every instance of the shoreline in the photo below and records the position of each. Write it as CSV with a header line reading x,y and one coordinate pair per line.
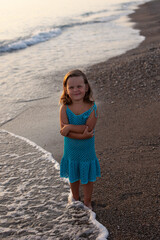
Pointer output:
x,y
129,133
41,132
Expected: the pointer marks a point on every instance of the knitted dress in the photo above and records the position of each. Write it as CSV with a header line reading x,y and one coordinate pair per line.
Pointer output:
x,y
79,160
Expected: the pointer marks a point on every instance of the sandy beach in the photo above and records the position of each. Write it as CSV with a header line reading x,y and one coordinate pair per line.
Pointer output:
x,y
126,198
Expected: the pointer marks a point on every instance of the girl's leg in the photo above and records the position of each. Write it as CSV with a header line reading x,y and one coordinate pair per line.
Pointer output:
x,y
87,190
75,190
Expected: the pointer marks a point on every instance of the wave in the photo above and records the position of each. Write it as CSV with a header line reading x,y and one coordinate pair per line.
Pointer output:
x,y
93,13
45,35
129,5
22,43
90,17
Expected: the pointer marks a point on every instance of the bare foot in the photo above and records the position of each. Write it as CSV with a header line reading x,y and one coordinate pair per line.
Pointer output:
x,y
89,206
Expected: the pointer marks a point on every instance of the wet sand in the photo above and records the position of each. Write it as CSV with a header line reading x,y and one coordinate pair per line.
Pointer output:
x,y
127,89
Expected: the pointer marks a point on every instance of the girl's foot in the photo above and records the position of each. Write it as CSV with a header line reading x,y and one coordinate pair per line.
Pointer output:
x,y
71,199
89,206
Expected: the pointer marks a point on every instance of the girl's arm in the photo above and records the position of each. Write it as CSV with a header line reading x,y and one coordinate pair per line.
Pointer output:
x,y
65,126
92,120
85,135
72,128
89,127
77,131
63,116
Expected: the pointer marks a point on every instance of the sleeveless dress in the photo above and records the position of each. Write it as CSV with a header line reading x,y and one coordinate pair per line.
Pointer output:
x,y
79,160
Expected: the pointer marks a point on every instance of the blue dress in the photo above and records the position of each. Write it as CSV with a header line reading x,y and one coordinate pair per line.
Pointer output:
x,y
79,160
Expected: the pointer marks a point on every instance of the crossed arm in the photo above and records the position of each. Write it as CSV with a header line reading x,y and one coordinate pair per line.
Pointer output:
x,y
77,131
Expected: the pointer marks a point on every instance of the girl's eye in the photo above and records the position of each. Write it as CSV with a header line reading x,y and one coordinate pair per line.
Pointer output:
x,y
79,86
70,87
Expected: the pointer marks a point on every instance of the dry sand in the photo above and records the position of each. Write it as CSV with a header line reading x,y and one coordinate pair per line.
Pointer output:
x,y
126,198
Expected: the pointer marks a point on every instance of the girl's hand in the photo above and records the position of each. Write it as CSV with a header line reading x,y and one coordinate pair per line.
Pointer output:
x,y
86,134
65,130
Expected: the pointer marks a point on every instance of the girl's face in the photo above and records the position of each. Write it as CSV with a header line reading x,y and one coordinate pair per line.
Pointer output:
x,y
76,88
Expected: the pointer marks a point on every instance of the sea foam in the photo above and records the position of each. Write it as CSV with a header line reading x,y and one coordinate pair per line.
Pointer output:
x,y
35,38
29,199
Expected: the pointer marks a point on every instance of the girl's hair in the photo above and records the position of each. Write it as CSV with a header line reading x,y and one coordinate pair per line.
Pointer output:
x,y
65,99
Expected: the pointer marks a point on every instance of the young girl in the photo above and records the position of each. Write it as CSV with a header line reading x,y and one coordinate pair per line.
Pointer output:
x,y
78,117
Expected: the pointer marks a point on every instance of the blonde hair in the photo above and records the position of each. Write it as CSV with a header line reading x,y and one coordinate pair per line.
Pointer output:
x,y
65,99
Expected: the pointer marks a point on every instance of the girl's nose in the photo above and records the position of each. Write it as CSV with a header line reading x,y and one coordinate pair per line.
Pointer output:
x,y
75,89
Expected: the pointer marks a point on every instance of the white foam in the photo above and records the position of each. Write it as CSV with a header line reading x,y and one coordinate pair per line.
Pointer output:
x,y
37,37
2,192
47,155
103,232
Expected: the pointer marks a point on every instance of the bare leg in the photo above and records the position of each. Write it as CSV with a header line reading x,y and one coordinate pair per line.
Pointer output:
x,y
75,190
88,189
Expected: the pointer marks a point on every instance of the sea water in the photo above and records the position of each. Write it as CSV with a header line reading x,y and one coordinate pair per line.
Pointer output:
x,y
33,198
39,42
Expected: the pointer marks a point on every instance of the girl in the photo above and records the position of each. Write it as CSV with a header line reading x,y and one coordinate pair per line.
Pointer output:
x,y
78,117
